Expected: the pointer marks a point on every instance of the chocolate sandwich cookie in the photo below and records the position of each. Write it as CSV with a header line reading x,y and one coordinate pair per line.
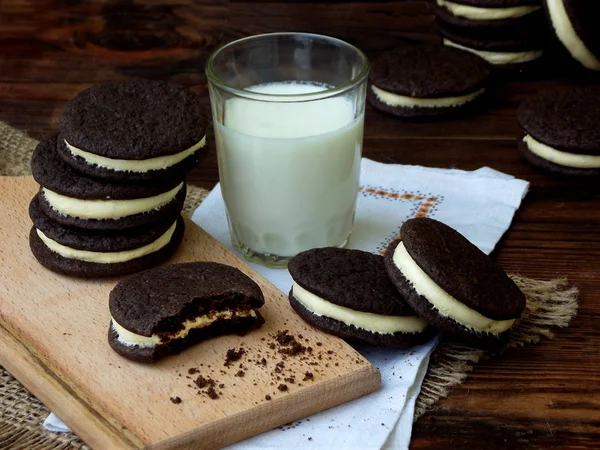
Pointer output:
x,y
348,293
452,284
503,47
561,131
575,25
426,80
164,310
76,200
133,130
488,13
94,254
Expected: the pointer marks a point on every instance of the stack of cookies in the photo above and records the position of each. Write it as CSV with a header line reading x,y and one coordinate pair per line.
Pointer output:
x,y
112,181
507,33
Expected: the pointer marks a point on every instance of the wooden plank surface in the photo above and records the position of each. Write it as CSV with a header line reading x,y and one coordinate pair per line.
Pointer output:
x,y
54,336
546,396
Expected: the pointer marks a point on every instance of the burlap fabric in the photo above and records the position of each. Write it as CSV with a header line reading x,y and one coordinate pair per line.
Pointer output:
x,y
549,304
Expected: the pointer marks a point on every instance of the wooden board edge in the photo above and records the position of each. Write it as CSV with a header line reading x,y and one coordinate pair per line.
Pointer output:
x,y
268,416
21,363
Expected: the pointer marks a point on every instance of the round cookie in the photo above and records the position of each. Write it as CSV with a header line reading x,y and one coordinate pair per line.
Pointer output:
x,y
133,130
76,253
347,293
502,47
561,131
486,14
575,25
426,80
452,284
164,310
75,200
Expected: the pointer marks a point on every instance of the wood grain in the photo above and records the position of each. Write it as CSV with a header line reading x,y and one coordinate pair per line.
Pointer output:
x,y
546,396
54,331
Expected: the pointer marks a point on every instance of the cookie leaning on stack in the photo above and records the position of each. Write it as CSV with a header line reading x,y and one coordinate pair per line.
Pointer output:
x,y
112,183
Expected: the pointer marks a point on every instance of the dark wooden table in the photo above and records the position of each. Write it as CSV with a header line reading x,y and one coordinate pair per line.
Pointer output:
x,y
544,396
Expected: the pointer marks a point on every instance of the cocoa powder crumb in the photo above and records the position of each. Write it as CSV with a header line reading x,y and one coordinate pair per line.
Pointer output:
x,y
290,380
267,397
233,355
193,370
202,382
240,373
308,376
176,400
212,393
282,387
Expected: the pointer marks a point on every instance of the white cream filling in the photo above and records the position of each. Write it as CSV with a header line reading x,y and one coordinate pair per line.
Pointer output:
x,y
127,337
443,302
477,13
561,158
499,57
568,36
135,165
106,209
108,257
375,323
392,99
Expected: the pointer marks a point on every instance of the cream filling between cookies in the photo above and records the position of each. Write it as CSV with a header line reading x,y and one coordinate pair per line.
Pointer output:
x,y
106,209
477,13
403,101
498,58
107,257
135,165
375,323
561,158
568,36
443,302
130,338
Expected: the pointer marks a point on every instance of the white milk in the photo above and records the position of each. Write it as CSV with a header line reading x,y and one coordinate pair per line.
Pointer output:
x,y
289,171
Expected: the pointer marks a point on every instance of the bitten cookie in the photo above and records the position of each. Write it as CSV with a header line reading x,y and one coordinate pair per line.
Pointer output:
x,y
165,310
75,200
452,284
426,80
488,13
133,130
561,131
575,24
94,254
348,293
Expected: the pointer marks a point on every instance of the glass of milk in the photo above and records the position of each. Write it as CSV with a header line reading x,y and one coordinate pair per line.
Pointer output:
x,y
288,113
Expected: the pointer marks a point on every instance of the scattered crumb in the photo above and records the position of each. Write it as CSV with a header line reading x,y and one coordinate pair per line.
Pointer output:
x,y
267,397
193,370
240,373
176,400
233,355
282,387
212,393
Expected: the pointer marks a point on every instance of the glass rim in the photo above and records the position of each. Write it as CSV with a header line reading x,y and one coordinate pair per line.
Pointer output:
x,y
337,90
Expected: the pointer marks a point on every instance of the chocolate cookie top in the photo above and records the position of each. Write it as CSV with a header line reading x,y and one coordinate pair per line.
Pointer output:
x,y
350,278
51,172
97,241
161,299
461,269
138,119
583,15
566,119
429,70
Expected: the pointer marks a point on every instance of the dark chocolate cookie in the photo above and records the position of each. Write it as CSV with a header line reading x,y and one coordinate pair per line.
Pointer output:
x,y
154,305
134,120
88,269
575,26
488,16
54,175
565,119
357,282
453,264
424,80
98,241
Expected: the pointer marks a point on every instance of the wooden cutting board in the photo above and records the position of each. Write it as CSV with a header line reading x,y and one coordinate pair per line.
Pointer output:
x,y
53,338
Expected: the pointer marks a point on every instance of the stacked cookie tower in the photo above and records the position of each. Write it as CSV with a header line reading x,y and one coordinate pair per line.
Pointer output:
x,y
507,33
112,182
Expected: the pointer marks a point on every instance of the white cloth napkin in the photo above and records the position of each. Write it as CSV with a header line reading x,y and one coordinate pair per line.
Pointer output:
x,y
479,204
